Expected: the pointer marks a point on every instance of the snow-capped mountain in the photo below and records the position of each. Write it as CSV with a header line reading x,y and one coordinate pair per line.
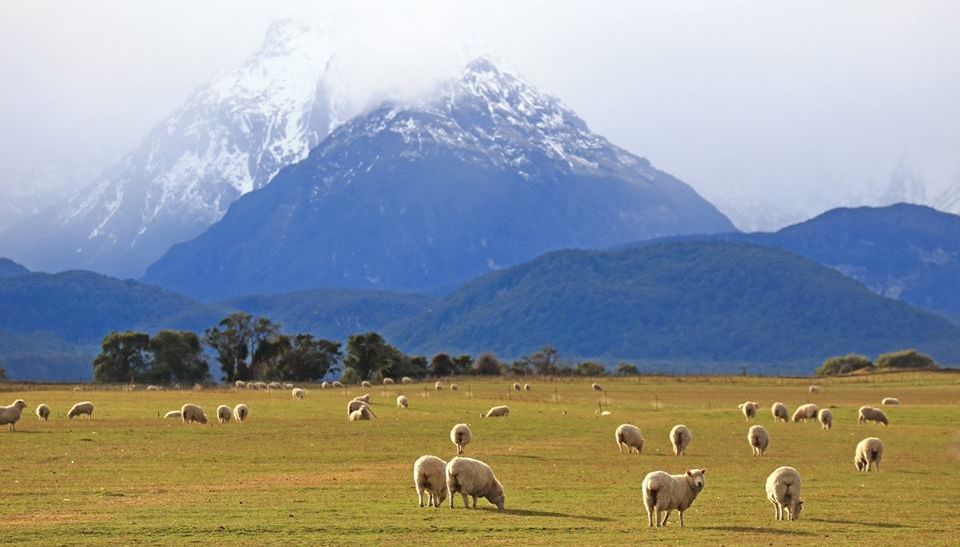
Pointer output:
x,y
486,172
229,138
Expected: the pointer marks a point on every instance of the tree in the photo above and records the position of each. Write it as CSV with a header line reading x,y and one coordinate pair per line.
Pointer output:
x,y
442,365
123,357
487,365
231,340
177,357
521,367
907,358
545,361
590,368
267,344
627,369
843,364
462,364
3,372
309,358
369,354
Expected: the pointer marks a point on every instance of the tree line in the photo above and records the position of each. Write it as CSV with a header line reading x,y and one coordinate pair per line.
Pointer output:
x,y
897,360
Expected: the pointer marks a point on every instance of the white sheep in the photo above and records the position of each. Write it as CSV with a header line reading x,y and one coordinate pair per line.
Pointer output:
x,y
517,387
430,477
298,393
596,387
783,491
274,385
780,412
887,401
402,401
287,386
406,380
473,478
868,454
665,492
825,417
240,384
460,436
438,386
10,414
362,413
680,438
387,381
191,413
365,398
749,409
805,412
172,414
43,412
454,387
527,387
325,385
759,439
337,384
154,388
365,383
240,413
86,407
262,385
223,414
356,404
628,435
501,411
814,390
870,414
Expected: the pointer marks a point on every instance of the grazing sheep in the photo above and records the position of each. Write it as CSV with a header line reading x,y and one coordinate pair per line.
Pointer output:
x,y
197,387
337,384
517,387
406,380
298,393
869,453
43,412
438,386
783,491
274,385
240,413
780,412
870,414
191,413
240,384
749,409
324,385
805,412
223,414
402,401
86,407
814,390
453,387
287,386
262,385
356,404
10,414
501,411
628,435
430,477
365,383
825,417
461,436
665,492
154,388
887,401
365,398
596,387
172,414
680,439
362,413
759,440
387,381
526,387
473,478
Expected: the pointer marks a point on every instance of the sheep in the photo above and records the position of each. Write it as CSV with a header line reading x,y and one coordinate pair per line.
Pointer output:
x,y
596,387
298,393
287,386
870,414
473,478
10,414
454,387
365,398
805,412
526,387
223,414
680,439
517,387
262,385
402,401
43,412
461,436
825,417
814,390
887,401
325,385
240,413
869,453
197,387
86,407
172,414
387,381
154,388
240,384
665,492
759,440
628,435
780,412
430,477
337,384
501,411
362,413
365,383
438,386
406,380
191,413
783,491
749,409
356,404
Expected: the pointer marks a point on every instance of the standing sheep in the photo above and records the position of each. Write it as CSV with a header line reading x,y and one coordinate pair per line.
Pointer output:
x,y
86,407
869,453
365,383
240,384
223,414
274,385
438,386
453,387
362,413
298,393
172,414
287,385
337,384
805,412
526,387
665,492
191,413
406,380
814,390
10,414
759,440
780,412
516,387
628,435
501,411
430,477
783,491
461,436
825,417
749,409
43,412
387,381
325,385
887,401
240,413
357,404
596,387
680,438
473,478
870,414
402,401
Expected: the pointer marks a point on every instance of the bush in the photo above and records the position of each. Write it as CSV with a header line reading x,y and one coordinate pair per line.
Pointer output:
x,y
627,369
843,364
905,359
486,365
590,368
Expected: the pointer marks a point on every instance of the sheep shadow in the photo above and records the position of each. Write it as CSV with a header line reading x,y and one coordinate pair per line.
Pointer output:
x,y
748,529
873,524
550,514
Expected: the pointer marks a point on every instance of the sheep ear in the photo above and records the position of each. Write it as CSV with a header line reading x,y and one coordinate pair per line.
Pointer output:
x,y
689,472
703,471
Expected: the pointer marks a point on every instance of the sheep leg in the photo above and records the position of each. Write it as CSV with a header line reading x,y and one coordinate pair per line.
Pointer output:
x,y
450,493
466,502
620,447
474,501
658,516
650,511
666,516
420,496
681,518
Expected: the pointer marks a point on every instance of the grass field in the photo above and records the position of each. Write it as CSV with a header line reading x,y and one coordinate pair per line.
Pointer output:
x,y
298,472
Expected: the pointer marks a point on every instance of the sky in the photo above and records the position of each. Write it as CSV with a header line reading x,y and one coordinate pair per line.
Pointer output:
x,y
759,104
